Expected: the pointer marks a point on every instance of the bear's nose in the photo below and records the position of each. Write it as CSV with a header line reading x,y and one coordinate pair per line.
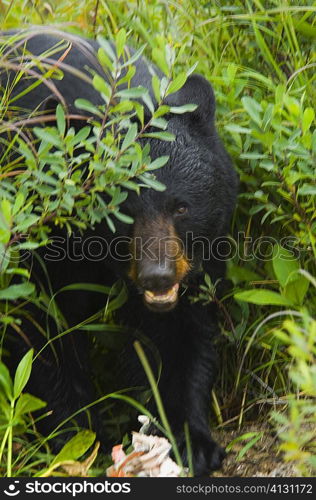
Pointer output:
x,y
156,277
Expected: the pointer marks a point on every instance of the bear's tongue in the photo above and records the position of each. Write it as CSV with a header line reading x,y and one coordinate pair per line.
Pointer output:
x,y
169,296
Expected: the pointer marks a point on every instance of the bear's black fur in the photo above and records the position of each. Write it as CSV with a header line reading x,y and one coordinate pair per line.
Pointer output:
x,y
198,203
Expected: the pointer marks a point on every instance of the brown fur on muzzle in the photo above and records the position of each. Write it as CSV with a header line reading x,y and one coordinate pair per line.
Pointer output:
x,y
156,240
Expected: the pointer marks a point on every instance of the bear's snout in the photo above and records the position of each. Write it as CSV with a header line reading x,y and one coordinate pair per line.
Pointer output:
x,y
158,284
158,263
155,276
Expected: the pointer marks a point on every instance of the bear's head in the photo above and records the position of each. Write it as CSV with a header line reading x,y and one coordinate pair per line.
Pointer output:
x,y
173,230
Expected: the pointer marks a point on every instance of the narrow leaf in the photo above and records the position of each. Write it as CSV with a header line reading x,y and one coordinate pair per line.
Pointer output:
x,y
262,297
23,373
14,292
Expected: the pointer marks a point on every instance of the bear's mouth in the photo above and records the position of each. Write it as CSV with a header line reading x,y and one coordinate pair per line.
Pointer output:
x,y
162,301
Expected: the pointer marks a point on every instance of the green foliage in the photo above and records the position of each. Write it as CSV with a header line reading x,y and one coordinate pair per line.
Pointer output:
x,y
293,284
15,406
251,437
297,426
77,446
52,179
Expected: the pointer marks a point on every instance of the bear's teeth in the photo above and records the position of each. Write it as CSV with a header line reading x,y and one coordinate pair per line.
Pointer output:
x,y
169,296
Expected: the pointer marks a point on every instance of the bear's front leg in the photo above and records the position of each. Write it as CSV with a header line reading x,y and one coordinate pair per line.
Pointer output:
x,y
184,339
188,372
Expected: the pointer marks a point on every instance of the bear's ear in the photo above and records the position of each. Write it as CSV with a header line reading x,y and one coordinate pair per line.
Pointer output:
x,y
197,90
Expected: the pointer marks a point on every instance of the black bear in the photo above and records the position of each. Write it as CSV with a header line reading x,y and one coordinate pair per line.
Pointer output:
x,y
171,247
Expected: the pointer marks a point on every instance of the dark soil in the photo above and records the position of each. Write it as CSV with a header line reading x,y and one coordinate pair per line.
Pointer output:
x,y
262,460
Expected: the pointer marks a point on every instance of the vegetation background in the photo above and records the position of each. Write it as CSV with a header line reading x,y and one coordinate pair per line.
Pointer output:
x,y
260,58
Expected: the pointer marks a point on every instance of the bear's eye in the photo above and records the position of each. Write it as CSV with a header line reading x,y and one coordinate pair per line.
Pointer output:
x,y
181,209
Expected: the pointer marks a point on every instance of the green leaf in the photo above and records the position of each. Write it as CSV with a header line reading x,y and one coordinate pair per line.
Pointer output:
x,y
18,203
119,299
28,221
296,289
186,108
149,103
123,217
6,210
107,47
139,112
80,136
127,77
308,117
130,185
163,136
253,156
92,287
155,83
14,292
267,165
161,111
159,123
110,223
159,58
75,447
158,163
303,27
61,121
307,190
249,445
105,61
134,57
262,297
253,109
5,381
177,83
28,403
22,373
4,235
49,135
19,270
88,106
284,264
233,127
130,136
101,85
5,221
239,274
122,107
152,182
133,93
120,41
243,437
292,104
